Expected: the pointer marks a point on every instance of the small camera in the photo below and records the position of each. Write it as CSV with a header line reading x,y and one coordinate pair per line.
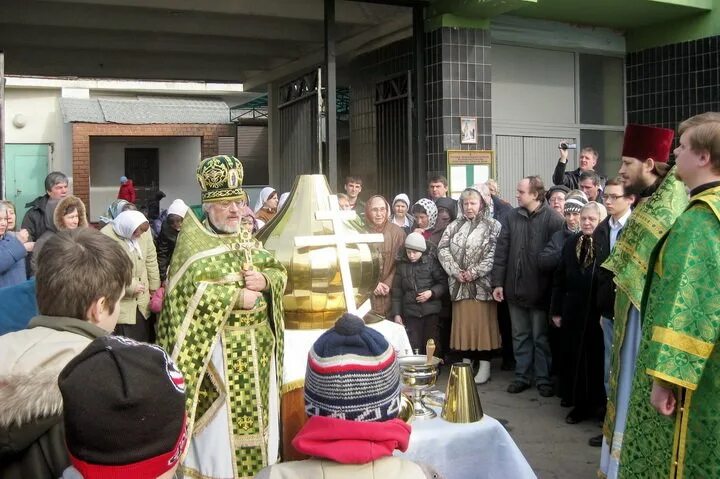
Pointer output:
x,y
567,146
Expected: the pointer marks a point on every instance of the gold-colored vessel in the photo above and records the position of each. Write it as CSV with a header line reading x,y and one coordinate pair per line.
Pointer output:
x,y
418,374
314,297
462,401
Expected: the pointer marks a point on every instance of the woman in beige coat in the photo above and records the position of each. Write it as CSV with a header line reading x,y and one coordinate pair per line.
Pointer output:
x,y
466,252
131,230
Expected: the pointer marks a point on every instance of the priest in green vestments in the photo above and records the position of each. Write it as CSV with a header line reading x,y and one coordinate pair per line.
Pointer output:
x,y
646,174
673,427
222,323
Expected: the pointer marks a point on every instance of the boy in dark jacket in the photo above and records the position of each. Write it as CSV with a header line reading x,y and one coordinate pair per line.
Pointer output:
x,y
81,278
418,287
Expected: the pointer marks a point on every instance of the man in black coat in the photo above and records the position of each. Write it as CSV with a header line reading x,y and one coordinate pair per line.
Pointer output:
x,y
588,159
517,279
36,220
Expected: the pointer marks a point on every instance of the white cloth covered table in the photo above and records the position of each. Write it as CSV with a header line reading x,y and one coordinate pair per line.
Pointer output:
x,y
299,341
479,450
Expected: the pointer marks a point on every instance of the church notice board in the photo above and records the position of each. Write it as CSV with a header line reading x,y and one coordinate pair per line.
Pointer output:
x,y
469,167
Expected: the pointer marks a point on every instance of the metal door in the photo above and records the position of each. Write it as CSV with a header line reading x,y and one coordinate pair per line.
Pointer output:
x,y
521,156
26,169
393,115
298,113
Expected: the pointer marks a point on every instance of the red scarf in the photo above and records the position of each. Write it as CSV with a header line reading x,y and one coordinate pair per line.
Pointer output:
x,y
351,442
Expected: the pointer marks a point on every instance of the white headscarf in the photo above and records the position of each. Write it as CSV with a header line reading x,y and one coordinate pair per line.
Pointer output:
x,y
125,225
283,199
265,193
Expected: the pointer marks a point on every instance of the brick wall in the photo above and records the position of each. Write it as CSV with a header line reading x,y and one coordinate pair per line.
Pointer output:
x,y
82,132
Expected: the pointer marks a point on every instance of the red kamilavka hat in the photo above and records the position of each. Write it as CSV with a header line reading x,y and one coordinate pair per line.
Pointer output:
x,y
643,142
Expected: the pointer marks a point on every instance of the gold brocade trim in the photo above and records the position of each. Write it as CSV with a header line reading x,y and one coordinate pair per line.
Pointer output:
x,y
685,411
601,475
675,447
195,474
187,320
682,342
258,396
203,370
250,440
228,408
177,275
671,379
216,381
292,385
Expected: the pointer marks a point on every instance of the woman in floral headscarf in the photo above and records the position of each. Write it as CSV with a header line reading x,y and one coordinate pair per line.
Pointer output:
x,y
425,213
466,252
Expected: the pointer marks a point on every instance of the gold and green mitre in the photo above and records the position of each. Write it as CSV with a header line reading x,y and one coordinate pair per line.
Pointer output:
x,y
220,179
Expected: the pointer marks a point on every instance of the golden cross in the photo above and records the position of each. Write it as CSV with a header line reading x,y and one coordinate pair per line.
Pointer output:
x,y
340,239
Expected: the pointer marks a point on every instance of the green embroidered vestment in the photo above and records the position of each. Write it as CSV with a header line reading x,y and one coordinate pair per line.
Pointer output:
x,y
629,260
681,324
202,311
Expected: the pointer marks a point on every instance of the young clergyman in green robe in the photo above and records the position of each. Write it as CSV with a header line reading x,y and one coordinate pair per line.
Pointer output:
x,y
673,427
222,323
662,198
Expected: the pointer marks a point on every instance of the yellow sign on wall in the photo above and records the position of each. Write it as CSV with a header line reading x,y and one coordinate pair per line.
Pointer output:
x,y
469,167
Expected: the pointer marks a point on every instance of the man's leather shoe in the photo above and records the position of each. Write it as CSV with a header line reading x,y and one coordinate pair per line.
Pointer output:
x,y
546,390
595,441
517,387
575,417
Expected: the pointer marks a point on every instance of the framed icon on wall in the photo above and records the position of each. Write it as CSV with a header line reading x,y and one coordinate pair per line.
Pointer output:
x,y
468,130
467,168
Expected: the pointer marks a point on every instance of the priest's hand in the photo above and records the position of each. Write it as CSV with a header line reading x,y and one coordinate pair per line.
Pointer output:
x,y
557,321
254,280
663,399
249,298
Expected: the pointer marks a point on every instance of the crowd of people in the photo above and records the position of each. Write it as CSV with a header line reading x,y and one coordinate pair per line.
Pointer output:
x,y
598,291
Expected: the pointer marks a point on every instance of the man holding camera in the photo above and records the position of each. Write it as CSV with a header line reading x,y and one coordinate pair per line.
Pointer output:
x,y
588,159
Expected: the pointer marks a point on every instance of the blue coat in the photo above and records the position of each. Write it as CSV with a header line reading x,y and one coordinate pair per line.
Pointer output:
x,y
19,305
12,261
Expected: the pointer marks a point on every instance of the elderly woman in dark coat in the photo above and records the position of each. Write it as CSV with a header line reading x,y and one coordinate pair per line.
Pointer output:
x,y
574,312
466,252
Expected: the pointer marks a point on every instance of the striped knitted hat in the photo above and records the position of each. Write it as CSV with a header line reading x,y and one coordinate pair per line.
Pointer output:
x,y
352,374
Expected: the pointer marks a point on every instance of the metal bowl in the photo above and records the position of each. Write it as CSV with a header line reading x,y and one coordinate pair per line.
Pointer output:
x,y
407,409
417,373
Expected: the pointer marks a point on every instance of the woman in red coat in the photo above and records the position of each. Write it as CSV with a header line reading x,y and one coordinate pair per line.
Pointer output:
x,y
127,190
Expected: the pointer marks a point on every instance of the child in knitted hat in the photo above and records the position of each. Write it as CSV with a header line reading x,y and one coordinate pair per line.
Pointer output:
x,y
124,411
352,398
418,286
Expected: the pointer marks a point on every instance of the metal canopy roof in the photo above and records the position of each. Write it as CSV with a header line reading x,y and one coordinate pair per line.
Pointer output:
x,y
247,41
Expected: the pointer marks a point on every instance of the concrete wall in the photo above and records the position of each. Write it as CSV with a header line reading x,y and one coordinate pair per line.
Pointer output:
x,y
178,160
40,109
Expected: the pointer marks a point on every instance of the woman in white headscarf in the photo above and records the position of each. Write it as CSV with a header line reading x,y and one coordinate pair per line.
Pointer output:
x,y
400,212
128,229
266,205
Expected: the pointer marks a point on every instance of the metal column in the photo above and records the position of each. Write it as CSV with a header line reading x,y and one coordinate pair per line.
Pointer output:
x,y
330,95
2,125
421,164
